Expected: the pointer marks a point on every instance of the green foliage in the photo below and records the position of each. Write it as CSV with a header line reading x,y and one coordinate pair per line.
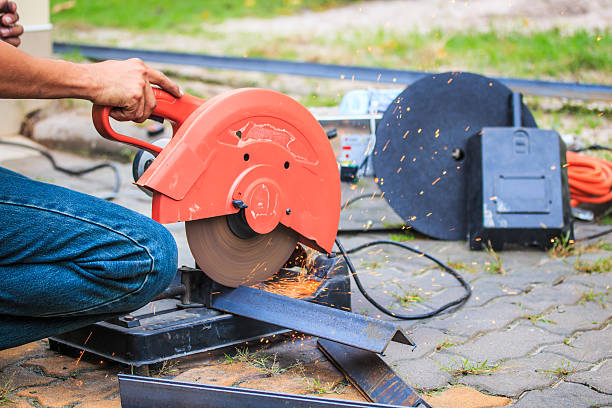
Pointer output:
x,y
5,392
602,265
538,318
408,297
444,345
596,297
401,237
467,367
181,15
494,266
561,370
562,247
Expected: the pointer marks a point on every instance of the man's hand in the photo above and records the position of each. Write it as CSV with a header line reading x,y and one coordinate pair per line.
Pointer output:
x,y
9,29
126,85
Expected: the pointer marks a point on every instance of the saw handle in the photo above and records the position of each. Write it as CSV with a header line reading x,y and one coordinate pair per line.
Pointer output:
x,y
168,107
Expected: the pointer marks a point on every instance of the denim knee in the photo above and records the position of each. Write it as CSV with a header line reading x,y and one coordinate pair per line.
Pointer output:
x,y
162,249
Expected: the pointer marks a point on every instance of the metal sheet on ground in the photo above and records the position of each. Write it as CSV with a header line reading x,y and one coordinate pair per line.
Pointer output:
x,y
322,321
145,392
372,377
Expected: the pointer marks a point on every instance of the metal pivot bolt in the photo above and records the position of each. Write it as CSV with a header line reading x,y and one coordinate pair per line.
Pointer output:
x,y
288,211
239,204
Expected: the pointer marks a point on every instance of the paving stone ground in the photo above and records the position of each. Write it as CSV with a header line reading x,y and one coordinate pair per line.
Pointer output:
x,y
537,335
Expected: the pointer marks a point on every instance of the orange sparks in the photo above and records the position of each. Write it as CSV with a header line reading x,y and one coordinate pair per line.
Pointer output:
x,y
403,157
398,170
435,181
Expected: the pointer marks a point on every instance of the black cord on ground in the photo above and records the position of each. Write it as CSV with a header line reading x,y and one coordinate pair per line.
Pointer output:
x,y
73,172
455,274
596,235
592,147
359,197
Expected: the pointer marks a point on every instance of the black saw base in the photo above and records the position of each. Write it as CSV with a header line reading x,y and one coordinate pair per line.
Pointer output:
x,y
170,328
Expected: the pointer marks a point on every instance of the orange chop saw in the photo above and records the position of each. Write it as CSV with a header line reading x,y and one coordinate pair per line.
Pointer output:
x,y
251,173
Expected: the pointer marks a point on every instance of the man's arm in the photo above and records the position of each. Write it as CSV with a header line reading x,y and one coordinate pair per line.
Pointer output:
x,y
126,85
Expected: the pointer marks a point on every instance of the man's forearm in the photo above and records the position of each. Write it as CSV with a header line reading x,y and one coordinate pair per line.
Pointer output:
x,y
25,76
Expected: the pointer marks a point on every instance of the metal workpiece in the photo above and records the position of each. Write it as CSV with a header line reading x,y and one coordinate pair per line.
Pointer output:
x,y
145,392
370,375
322,321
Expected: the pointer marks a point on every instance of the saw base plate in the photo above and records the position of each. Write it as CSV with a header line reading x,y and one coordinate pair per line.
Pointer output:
x,y
165,329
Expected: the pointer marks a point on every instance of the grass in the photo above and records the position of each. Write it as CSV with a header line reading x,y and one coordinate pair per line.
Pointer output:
x,y
538,318
602,265
185,15
402,237
444,345
549,53
596,297
607,220
467,367
316,386
461,266
408,297
495,265
167,368
562,247
561,370
5,392
268,365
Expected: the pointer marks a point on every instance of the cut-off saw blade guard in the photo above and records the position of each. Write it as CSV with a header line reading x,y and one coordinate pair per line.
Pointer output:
x,y
249,152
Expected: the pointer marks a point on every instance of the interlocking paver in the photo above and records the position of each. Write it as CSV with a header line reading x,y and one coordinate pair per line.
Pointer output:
x,y
470,321
599,378
591,346
564,395
516,376
425,373
505,344
573,318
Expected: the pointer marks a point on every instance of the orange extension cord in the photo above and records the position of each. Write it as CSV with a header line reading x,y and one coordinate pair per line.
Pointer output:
x,y
590,179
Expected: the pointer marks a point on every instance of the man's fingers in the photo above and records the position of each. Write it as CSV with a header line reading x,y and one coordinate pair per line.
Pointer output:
x,y
14,31
7,6
149,103
157,78
9,18
119,114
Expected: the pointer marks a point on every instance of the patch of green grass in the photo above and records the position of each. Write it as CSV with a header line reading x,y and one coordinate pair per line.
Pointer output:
x,y
538,318
602,265
408,297
316,99
494,266
268,365
181,15
549,53
607,220
167,368
316,386
461,266
5,392
401,237
444,345
561,370
596,297
371,265
467,367
562,247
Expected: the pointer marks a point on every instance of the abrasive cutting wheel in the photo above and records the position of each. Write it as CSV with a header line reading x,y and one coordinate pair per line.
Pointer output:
x,y
232,258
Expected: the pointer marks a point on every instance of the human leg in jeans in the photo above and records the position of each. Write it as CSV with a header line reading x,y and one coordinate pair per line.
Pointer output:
x,y
68,259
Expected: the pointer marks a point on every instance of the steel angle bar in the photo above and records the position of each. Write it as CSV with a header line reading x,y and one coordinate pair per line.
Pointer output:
x,y
145,392
322,321
311,69
372,377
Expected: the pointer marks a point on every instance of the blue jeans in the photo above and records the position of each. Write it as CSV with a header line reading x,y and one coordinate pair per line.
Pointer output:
x,y
68,259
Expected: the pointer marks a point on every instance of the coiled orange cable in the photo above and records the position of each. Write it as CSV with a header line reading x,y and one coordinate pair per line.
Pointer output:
x,y
590,179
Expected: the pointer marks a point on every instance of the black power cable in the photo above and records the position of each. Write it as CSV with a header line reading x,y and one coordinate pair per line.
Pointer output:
x,y
73,172
455,274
